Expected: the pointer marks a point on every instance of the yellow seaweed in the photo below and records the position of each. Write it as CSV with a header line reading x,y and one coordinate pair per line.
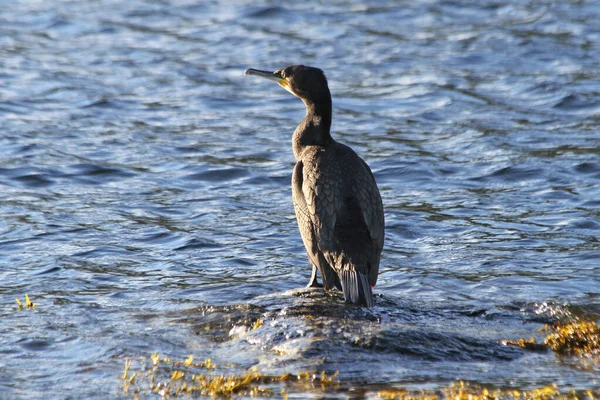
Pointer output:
x,y
403,394
577,338
530,344
172,379
462,390
182,380
127,366
28,302
177,375
155,359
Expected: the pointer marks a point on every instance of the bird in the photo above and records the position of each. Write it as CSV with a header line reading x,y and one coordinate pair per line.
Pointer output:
x,y
337,202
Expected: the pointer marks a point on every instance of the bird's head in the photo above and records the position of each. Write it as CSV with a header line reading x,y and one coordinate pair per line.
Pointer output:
x,y
307,83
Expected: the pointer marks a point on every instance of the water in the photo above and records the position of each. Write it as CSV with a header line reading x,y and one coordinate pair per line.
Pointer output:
x,y
146,203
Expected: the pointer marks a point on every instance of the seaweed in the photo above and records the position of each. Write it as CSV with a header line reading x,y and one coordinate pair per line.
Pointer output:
x,y
28,304
578,338
170,379
166,377
469,391
173,378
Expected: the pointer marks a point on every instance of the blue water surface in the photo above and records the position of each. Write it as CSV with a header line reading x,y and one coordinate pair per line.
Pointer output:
x,y
145,194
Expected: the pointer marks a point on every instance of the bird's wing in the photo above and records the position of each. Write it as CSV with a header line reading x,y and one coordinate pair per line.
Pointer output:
x,y
369,200
306,218
371,205
322,190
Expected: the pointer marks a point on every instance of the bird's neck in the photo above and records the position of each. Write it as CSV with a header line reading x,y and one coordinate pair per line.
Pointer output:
x,y
314,128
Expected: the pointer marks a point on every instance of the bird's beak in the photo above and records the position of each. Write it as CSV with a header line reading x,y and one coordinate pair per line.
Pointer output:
x,y
272,76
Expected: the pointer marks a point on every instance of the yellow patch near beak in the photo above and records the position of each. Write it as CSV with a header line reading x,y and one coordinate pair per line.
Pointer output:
x,y
284,83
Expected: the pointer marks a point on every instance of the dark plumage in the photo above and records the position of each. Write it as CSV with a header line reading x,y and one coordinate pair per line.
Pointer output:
x,y
337,203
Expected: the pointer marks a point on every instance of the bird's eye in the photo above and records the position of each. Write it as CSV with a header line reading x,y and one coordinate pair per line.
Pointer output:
x,y
282,74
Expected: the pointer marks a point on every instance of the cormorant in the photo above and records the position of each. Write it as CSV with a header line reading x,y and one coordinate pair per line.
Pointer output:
x,y
336,199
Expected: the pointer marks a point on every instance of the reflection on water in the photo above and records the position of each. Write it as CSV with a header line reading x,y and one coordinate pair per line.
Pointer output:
x,y
146,203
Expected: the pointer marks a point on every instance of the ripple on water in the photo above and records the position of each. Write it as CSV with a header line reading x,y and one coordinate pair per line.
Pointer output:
x,y
196,243
34,344
578,104
512,174
29,176
34,180
220,175
589,168
98,174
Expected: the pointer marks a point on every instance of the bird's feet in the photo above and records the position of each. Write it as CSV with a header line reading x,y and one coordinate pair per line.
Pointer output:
x,y
314,283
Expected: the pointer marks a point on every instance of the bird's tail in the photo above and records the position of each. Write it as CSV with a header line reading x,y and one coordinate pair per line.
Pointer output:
x,y
356,287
